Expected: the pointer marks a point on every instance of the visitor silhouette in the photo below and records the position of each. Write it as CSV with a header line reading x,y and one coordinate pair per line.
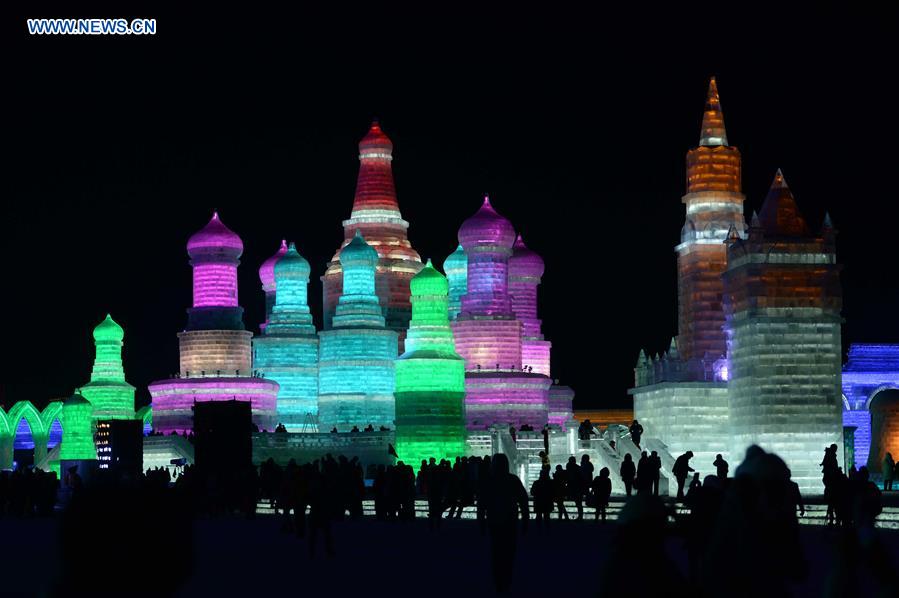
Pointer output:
x,y
601,490
542,493
721,467
681,471
628,472
636,431
506,496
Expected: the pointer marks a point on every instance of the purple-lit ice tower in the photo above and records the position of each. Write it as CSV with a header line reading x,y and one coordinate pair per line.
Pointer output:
x,y
216,363
489,336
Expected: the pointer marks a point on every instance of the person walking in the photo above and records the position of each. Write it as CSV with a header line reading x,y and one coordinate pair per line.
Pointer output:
x,y
636,433
888,470
601,489
721,467
506,496
681,471
628,472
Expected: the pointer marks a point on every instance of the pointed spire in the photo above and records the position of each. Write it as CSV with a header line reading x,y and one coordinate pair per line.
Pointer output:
x,y
672,348
713,132
732,234
755,222
780,215
828,223
641,358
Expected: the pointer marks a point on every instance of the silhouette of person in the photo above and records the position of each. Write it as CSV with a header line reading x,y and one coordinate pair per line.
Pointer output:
x,y
560,491
601,489
628,472
636,433
506,496
542,492
575,484
655,468
721,467
888,470
644,481
681,470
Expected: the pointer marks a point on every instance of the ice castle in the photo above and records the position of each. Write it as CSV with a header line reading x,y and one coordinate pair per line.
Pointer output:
x,y
758,356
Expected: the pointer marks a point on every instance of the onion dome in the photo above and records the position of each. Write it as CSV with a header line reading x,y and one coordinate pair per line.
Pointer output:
x,y
292,265
429,281
487,227
76,399
375,144
108,330
457,260
525,262
267,269
358,253
215,239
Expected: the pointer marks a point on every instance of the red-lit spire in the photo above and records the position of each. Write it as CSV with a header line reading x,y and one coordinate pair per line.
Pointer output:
x,y
375,189
713,132
780,215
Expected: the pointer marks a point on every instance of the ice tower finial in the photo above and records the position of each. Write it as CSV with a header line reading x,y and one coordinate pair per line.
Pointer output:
x,y
779,214
713,132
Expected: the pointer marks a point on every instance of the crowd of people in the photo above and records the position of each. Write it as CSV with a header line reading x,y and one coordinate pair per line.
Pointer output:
x,y
27,492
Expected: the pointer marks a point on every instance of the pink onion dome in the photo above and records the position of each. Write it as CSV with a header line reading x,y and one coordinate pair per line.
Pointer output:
x,y
267,269
488,228
215,238
524,261
375,142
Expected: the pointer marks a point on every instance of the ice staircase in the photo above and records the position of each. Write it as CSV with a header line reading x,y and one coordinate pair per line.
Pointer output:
x,y
160,450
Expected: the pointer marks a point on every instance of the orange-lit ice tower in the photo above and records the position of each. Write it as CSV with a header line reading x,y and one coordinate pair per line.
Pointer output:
x,y
714,204
376,214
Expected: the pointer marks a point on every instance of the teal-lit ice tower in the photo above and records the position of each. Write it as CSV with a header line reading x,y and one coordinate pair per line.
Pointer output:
x,y
108,392
356,366
267,278
456,268
430,377
782,304
288,350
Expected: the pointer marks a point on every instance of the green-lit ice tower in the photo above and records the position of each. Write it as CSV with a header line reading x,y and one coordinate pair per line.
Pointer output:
x,y
782,305
108,392
288,350
77,430
430,377
356,367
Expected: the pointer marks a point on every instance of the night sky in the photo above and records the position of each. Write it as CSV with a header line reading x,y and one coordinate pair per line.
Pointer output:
x,y
117,149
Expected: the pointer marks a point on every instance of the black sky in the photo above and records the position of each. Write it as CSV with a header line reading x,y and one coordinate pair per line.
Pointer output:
x,y
117,149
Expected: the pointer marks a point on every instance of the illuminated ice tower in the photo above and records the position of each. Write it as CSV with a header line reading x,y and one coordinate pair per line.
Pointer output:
x,y
525,272
267,278
456,268
77,430
356,365
288,350
216,356
430,377
108,392
714,205
488,335
783,301
376,214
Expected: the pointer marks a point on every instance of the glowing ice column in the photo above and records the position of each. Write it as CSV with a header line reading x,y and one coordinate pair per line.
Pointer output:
x,y
783,302
487,334
456,268
376,214
215,349
525,272
111,396
267,278
77,430
356,366
288,353
430,378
